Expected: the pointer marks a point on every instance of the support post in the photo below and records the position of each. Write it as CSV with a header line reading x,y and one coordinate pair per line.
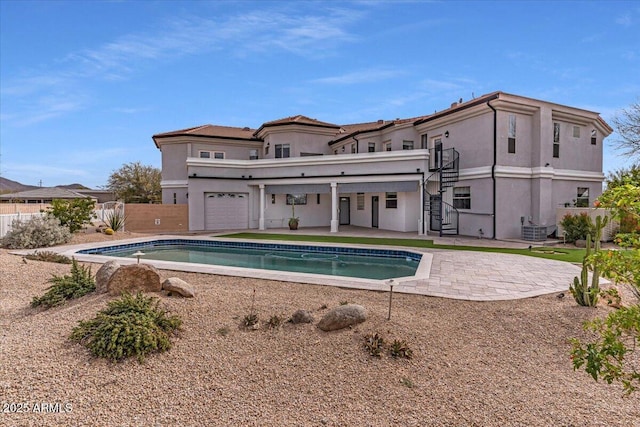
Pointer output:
x,y
334,207
261,218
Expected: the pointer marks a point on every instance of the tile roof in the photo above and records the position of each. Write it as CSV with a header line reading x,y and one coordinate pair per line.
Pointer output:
x,y
45,193
211,131
299,119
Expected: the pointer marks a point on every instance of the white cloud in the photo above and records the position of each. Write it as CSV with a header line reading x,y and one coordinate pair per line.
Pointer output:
x,y
363,76
42,95
624,20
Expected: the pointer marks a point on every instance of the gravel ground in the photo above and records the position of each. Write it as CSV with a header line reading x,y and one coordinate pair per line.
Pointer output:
x,y
475,363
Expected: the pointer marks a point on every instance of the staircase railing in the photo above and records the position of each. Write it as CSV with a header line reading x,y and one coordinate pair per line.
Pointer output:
x,y
444,164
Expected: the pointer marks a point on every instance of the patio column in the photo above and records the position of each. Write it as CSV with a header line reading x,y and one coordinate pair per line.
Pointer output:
x,y
334,207
421,209
261,219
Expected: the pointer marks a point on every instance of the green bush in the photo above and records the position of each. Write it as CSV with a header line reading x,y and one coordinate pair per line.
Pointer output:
x,y
79,283
36,232
577,227
49,256
374,344
73,214
129,326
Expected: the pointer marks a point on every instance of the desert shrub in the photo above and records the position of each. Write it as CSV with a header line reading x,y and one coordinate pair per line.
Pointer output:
x,y
115,220
73,214
400,349
129,326
70,286
49,256
577,227
374,344
274,322
36,232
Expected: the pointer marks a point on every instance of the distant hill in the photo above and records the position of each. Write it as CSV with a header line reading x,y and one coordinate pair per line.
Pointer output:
x,y
9,186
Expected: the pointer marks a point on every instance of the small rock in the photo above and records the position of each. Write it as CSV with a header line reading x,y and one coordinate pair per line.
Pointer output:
x,y
104,274
581,243
179,286
342,317
134,277
302,316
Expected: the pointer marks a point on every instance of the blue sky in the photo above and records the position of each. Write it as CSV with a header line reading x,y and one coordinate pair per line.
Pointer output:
x,y
84,85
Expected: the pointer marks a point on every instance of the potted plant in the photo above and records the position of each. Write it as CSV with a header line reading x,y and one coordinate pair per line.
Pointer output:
x,y
294,220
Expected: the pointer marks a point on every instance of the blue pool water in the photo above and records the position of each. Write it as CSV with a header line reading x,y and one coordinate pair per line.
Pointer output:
x,y
335,261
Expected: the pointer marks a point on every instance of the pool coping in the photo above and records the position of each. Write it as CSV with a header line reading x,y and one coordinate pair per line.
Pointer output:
x,y
422,272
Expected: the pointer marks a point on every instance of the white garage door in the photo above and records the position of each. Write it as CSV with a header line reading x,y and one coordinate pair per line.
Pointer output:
x,y
226,211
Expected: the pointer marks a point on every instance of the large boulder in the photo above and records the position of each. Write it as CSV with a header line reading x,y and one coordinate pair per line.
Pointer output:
x,y
178,286
343,317
133,278
104,274
301,316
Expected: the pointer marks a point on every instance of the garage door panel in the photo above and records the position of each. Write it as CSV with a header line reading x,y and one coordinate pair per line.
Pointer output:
x,y
226,211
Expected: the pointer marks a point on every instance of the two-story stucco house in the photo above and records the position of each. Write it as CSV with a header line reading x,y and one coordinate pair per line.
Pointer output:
x,y
484,167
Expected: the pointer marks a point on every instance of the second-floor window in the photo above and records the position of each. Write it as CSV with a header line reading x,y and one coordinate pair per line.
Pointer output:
x,y
211,154
511,138
594,137
253,154
283,151
407,145
556,140
387,146
372,147
353,148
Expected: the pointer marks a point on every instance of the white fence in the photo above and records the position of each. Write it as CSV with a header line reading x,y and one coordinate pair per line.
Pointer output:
x,y
7,219
102,211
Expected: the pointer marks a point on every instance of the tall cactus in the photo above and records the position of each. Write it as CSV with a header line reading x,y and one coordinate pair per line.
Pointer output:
x,y
587,295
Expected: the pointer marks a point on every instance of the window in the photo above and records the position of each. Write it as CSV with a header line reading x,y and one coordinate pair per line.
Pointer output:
x,y
594,136
387,146
391,200
372,147
424,142
556,140
175,198
360,201
582,201
353,148
318,199
283,151
407,145
462,197
266,150
511,139
211,155
253,154
298,199
273,199
576,131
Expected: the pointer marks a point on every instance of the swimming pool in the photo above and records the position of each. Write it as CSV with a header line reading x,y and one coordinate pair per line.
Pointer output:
x,y
356,262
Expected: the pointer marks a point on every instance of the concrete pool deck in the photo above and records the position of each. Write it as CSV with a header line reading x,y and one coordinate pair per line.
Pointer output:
x,y
465,275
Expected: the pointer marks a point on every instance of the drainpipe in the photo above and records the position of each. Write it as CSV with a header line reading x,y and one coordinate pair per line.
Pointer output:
x,y
495,161
357,144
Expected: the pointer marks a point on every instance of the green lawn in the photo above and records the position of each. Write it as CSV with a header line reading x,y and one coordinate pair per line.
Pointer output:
x,y
569,255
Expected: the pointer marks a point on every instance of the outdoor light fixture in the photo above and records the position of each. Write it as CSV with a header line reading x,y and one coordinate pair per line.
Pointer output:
x,y
546,165
138,255
446,134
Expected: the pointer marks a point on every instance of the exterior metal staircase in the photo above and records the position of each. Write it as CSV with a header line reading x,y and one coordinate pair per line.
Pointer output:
x,y
444,165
